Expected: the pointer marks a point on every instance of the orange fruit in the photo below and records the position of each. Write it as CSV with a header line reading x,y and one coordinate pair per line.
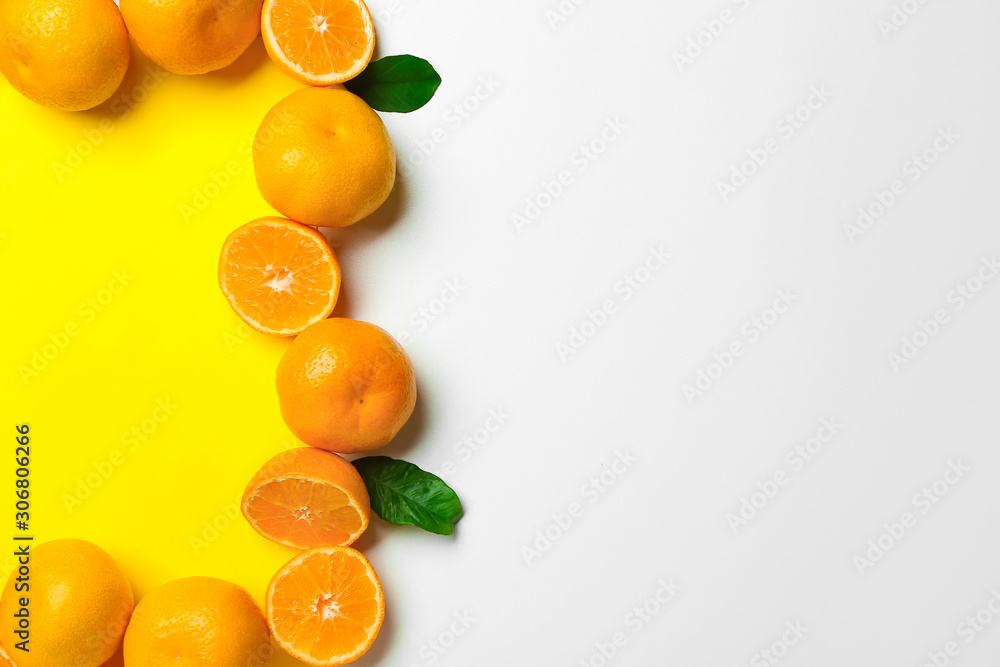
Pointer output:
x,y
306,497
325,606
80,603
278,275
346,386
63,54
192,36
318,42
323,157
197,621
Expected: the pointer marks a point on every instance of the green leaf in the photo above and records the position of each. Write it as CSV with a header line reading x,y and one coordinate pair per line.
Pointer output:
x,y
396,83
404,495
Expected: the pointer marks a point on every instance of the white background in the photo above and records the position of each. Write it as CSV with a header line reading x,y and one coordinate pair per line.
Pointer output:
x,y
523,291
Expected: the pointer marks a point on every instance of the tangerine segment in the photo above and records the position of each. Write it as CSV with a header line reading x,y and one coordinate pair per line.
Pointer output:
x,y
319,42
279,276
325,606
306,497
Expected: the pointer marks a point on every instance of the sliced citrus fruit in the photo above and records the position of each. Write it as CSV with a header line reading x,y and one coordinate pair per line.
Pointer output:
x,y
318,42
306,497
325,606
278,275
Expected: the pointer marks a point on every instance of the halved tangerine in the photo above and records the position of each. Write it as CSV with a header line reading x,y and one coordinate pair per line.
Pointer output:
x,y
307,497
325,606
318,42
279,276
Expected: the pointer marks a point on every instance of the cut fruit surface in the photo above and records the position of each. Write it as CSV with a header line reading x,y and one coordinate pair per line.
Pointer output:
x,y
5,660
325,606
279,276
305,498
318,42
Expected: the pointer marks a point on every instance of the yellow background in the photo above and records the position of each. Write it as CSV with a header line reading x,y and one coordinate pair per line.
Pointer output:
x,y
86,195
